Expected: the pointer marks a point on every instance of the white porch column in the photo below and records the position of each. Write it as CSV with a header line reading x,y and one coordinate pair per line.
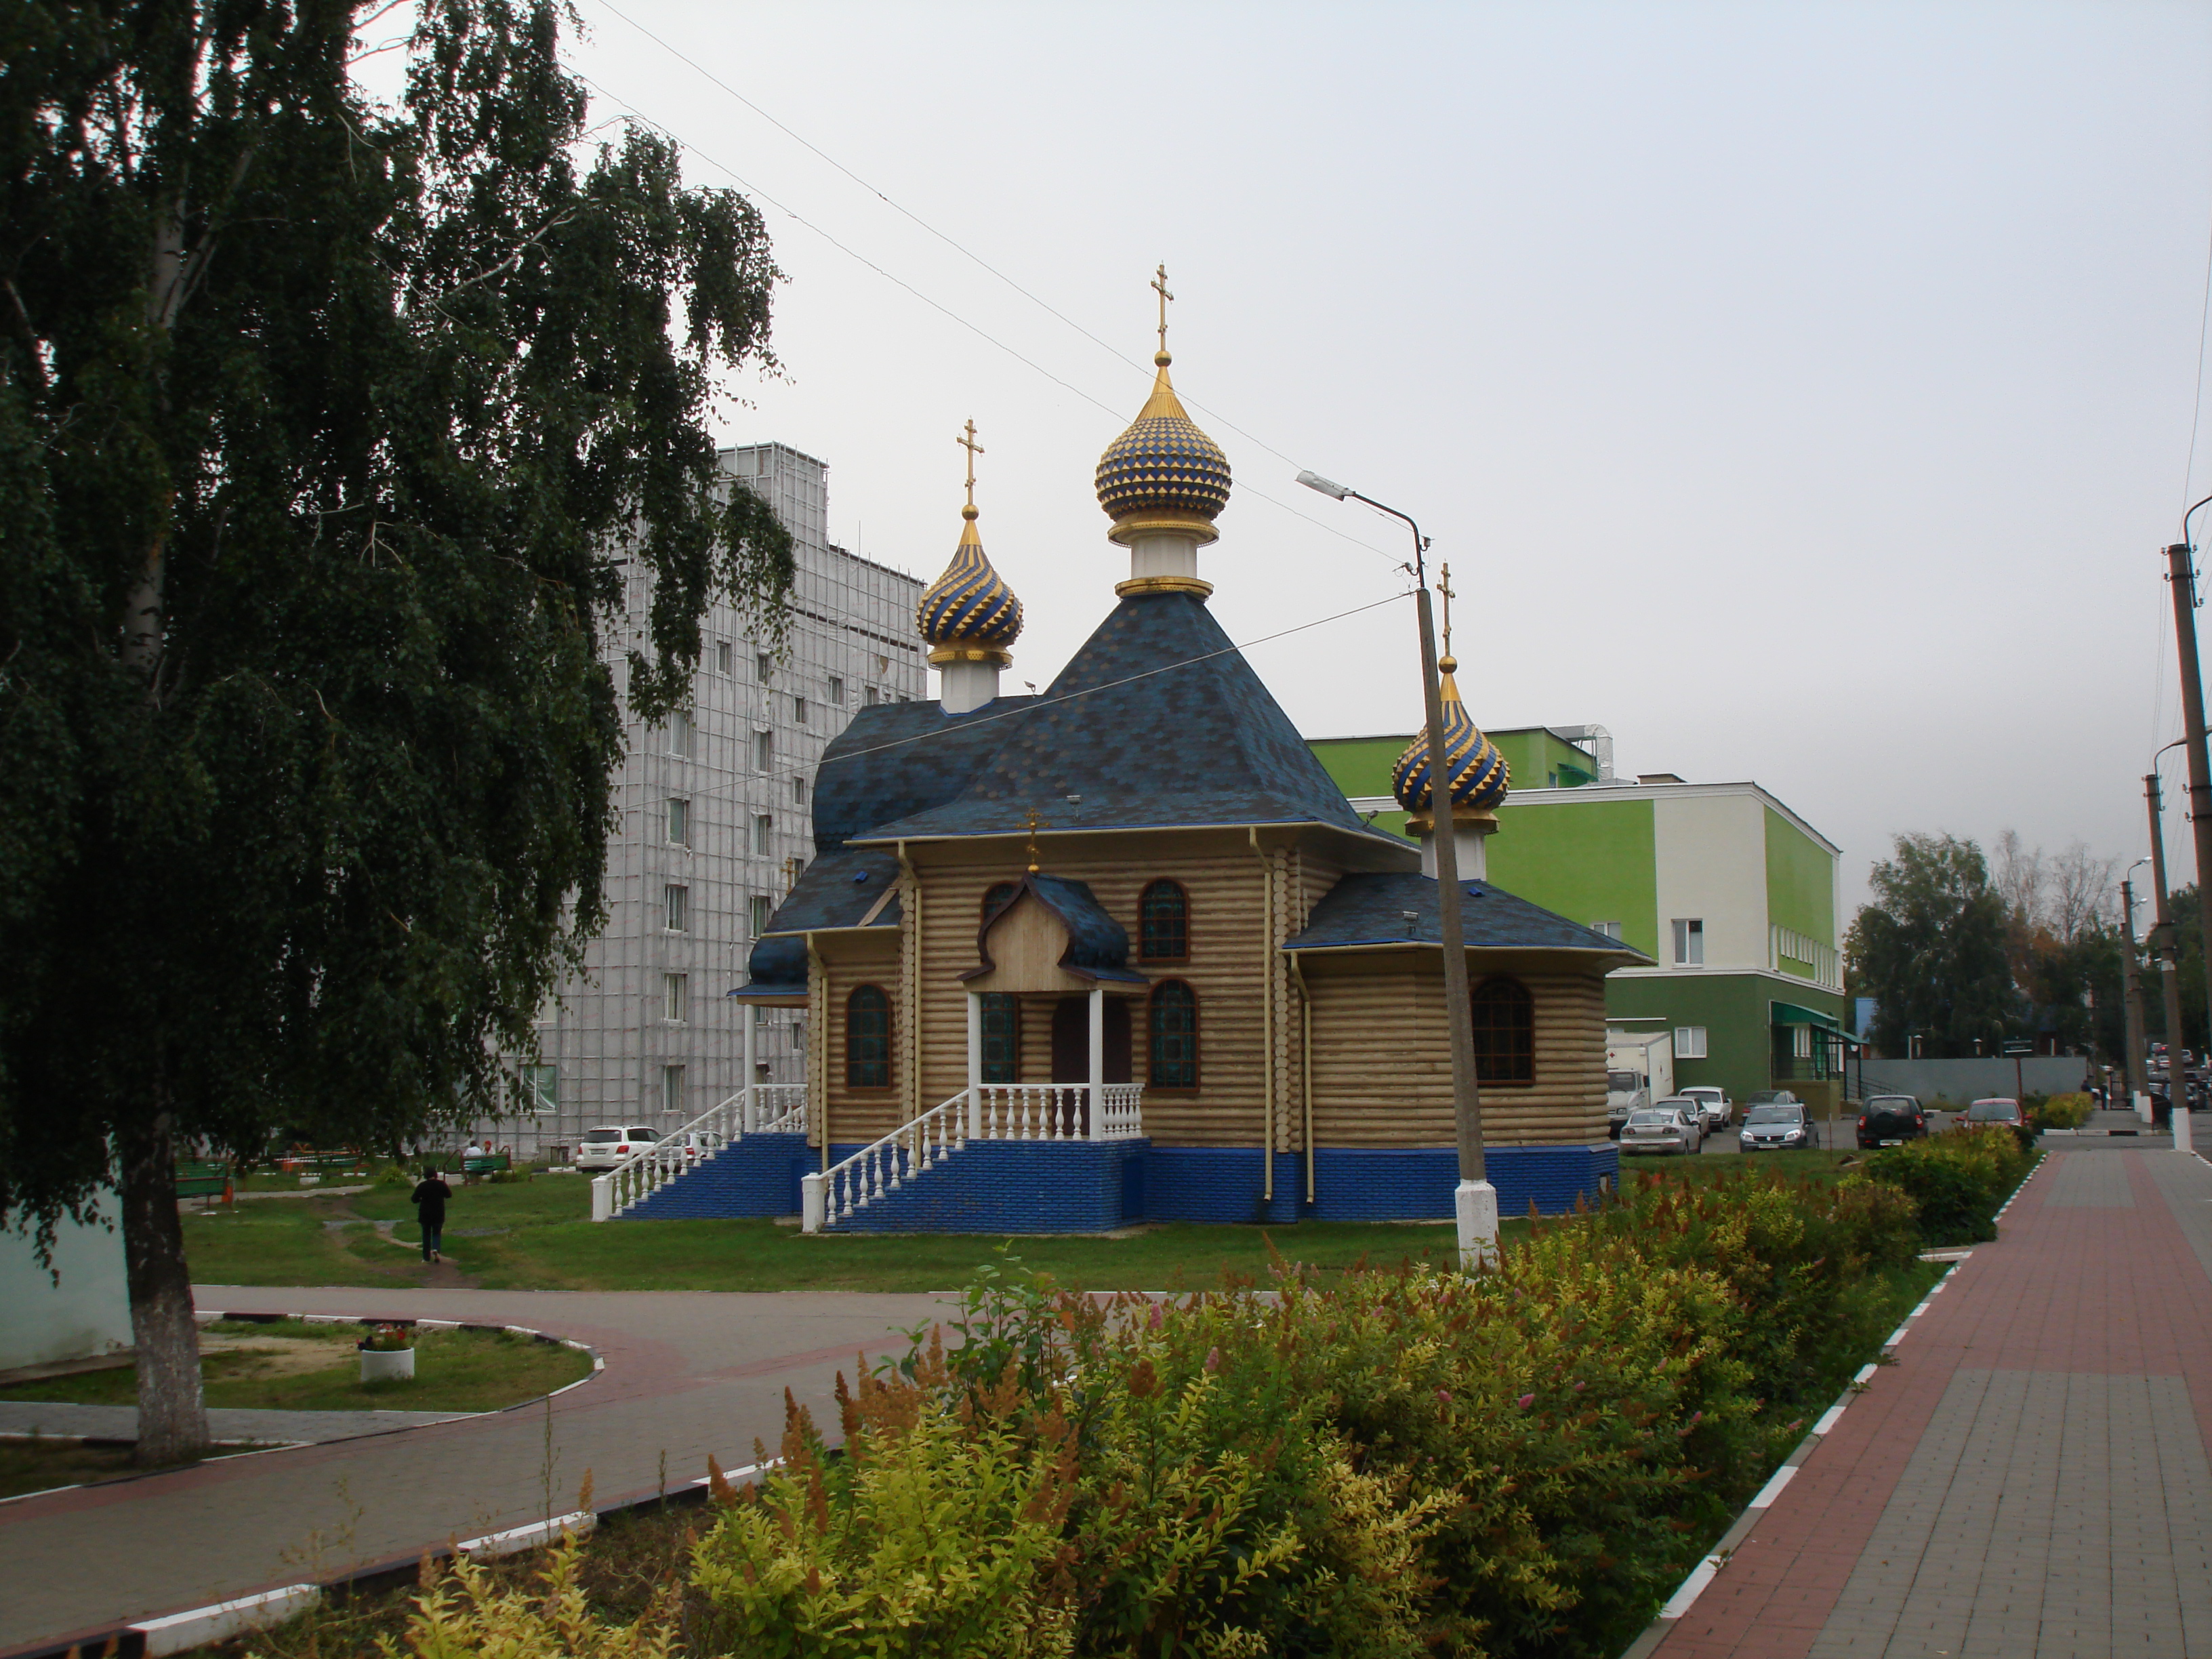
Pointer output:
x,y
974,1067
1098,1062
746,1119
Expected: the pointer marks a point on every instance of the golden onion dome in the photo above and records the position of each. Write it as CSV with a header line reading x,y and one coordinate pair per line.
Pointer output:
x,y
969,613
1479,776
1164,473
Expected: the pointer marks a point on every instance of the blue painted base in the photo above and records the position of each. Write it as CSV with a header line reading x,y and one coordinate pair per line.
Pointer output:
x,y
757,1176
1044,1187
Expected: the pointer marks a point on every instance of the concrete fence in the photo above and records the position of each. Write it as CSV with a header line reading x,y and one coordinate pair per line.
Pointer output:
x,y
1962,1080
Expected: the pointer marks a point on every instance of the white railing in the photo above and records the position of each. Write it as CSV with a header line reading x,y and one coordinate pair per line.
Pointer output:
x,y
761,1108
885,1165
992,1111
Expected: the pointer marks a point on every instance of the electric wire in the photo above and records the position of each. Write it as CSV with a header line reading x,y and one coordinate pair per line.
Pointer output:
x,y
1042,702
966,253
798,218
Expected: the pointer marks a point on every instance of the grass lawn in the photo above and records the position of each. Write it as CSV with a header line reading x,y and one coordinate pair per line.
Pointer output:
x,y
284,1367
538,1236
43,1462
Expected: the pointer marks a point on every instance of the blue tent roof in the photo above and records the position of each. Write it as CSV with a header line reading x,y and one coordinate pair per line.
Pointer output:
x,y
1157,720
1403,909
900,758
835,891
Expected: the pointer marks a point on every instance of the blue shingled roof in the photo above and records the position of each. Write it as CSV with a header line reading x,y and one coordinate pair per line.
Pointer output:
x,y
1201,742
1373,910
835,891
1097,945
900,758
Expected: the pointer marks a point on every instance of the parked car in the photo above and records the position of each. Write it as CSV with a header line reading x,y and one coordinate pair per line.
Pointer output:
x,y
1769,1097
1776,1126
1996,1110
700,1144
1624,1092
604,1148
1665,1125
1890,1121
1713,1102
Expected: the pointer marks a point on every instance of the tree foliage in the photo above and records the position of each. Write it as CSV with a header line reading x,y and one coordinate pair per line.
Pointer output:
x,y
325,430
1931,950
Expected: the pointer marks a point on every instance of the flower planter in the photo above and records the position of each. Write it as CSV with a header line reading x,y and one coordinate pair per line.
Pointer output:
x,y
379,1365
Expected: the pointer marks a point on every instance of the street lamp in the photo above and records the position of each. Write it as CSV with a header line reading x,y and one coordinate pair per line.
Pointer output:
x,y
1474,1202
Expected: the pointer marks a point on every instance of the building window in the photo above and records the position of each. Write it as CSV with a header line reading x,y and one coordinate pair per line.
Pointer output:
x,y
764,665
1801,1041
837,689
541,1087
995,896
868,695
1163,925
1690,1043
764,752
1610,929
679,821
764,825
679,901
1689,943
798,788
1002,1037
1172,1050
672,1092
675,996
868,1039
722,657
763,908
798,710
680,734
1504,1032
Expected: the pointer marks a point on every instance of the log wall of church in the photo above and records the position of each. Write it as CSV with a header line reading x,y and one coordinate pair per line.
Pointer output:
x,y
848,961
1382,1057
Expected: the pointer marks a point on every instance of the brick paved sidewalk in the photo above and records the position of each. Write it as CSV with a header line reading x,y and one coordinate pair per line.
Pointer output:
x,y
687,1374
2030,1477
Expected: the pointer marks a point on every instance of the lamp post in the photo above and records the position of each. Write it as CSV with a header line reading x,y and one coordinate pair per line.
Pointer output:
x,y
2165,946
2138,1084
1474,1203
2181,573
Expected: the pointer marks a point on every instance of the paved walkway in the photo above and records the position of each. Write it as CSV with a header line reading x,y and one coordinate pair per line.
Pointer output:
x,y
2029,1480
687,1374
267,1428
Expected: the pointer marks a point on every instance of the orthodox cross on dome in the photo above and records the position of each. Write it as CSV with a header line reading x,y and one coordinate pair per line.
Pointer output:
x,y
966,441
1035,824
1443,587
1160,287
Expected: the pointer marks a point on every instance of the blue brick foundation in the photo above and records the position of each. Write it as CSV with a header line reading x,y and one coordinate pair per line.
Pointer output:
x,y
1059,1187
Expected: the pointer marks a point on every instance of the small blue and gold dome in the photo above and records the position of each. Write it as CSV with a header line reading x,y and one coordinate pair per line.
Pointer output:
x,y
1479,776
1162,474
968,614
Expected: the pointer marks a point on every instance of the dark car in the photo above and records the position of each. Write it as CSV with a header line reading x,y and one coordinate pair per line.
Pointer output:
x,y
1890,1121
1777,1127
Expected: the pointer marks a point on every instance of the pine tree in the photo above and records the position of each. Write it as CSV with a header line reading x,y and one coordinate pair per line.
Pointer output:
x,y
324,431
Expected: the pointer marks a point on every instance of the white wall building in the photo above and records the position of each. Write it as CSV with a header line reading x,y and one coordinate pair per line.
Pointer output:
x,y
83,1312
715,826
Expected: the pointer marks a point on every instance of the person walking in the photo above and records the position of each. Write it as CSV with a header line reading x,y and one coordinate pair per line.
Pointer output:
x,y
430,1210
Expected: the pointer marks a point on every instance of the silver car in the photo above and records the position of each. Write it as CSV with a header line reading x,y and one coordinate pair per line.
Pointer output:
x,y
1777,1127
1713,1104
1665,1125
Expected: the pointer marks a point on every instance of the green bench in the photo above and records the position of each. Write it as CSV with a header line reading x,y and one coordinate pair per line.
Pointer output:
x,y
202,1181
485,1163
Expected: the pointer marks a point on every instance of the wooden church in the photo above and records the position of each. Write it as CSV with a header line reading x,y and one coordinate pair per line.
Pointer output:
x,y
1123,952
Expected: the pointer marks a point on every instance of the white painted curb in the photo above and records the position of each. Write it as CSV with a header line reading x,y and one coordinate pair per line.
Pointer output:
x,y
180,1633
516,1539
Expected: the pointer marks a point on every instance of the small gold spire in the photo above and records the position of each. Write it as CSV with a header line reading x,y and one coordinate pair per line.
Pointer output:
x,y
966,441
1160,288
1449,664
1035,822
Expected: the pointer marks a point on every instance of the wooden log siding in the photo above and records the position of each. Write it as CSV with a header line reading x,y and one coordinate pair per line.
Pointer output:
x,y
1229,903
850,961
1382,1064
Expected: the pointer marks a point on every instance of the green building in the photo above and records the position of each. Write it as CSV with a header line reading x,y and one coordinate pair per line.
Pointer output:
x,y
1732,896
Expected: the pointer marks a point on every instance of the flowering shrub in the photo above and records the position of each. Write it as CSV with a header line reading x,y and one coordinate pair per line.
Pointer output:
x,y
1957,1180
387,1338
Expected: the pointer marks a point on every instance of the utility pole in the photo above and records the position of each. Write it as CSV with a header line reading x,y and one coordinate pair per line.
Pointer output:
x,y
2131,996
2181,574
2164,946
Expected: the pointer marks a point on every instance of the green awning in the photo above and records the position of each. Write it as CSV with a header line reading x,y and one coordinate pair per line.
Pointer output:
x,y
1788,1013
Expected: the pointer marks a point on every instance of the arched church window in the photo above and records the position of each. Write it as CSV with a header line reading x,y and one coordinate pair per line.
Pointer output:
x,y
1002,1037
995,898
1173,1046
1163,923
1504,1032
868,1039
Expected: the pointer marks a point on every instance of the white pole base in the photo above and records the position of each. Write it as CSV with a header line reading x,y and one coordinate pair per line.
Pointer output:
x,y
814,1201
603,1198
2184,1134
2142,1106
1475,1203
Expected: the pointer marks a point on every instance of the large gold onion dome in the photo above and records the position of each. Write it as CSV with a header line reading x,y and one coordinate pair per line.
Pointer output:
x,y
1164,473
1479,776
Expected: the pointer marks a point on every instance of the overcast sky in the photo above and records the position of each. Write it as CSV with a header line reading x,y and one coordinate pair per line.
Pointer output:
x,y
1802,391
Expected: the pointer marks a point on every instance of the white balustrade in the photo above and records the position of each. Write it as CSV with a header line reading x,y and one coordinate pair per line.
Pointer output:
x,y
1123,1117
884,1165
761,1108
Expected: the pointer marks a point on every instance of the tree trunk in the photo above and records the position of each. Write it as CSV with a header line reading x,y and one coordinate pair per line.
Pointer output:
x,y
172,1414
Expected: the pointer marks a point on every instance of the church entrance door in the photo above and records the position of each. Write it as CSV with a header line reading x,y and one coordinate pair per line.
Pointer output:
x,y
1071,1049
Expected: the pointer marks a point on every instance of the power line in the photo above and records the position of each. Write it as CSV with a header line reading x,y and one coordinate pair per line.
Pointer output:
x,y
946,311
959,248
1054,703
